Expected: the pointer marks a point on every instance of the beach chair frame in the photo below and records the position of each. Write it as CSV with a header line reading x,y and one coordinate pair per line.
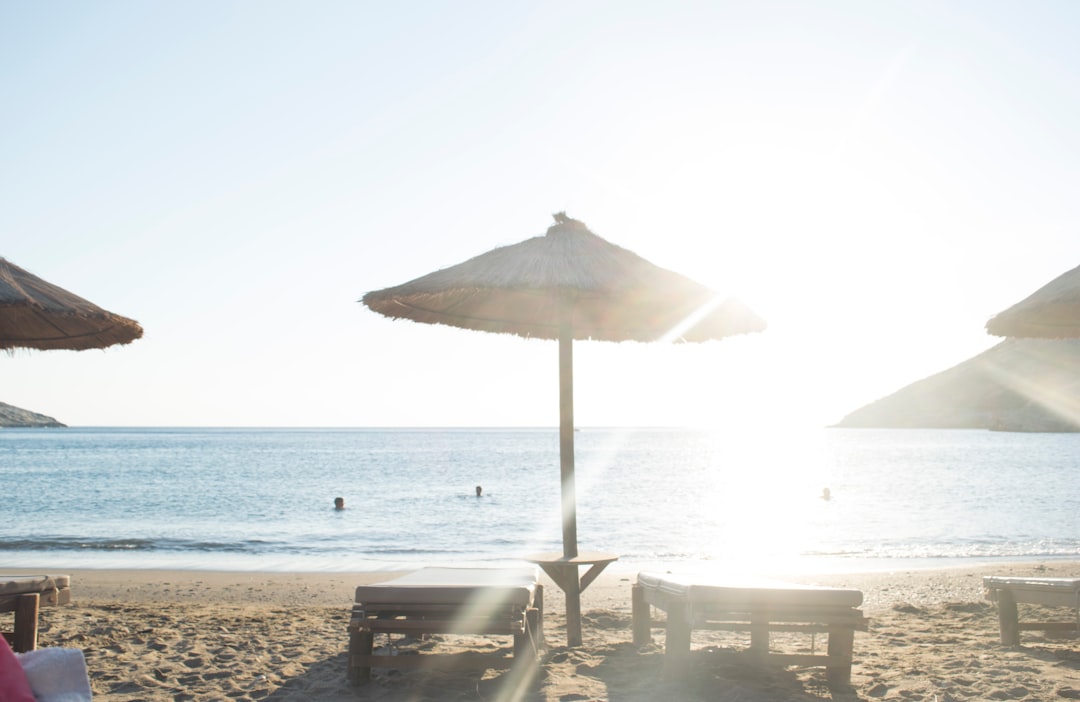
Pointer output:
x,y
760,615
1007,592
24,595
522,621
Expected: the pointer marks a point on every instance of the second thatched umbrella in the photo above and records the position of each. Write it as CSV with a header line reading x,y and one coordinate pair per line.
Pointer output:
x,y
35,314
1051,312
568,284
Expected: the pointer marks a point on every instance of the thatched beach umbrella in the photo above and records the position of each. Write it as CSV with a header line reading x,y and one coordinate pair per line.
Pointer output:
x,y
568,284
1051,312
35,314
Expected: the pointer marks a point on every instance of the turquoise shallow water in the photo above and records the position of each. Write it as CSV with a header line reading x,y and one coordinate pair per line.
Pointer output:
x,y
262,499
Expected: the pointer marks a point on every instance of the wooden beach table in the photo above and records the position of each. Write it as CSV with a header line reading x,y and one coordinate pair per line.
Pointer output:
x,y
23,595
1007,592
484,601
757,605
564,571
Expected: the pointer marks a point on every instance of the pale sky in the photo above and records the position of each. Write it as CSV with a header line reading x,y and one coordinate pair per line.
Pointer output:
x,y
875,179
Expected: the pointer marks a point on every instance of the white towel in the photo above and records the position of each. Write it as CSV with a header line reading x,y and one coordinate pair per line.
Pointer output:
x,y
57,674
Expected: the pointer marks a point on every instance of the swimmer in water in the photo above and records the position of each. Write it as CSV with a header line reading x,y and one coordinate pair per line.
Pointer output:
x,y
339,503
479,491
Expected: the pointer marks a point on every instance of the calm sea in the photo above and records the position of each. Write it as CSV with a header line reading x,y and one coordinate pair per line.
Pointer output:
x,y
262,499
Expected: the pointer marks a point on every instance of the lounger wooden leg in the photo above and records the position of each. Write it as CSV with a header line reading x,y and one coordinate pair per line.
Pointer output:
x,y
527,645
1008,618
642,616
526,665
538,600
677,644
24,636
841,648
361,643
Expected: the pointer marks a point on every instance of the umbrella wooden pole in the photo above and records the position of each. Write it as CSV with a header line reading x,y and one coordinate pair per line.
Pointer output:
x,y
566,470
566,445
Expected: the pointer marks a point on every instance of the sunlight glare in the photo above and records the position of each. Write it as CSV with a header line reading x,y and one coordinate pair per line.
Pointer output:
x,y
692,319
771,496
1051,389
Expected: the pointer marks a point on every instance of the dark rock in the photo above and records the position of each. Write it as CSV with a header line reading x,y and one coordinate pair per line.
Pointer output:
x,y
11,416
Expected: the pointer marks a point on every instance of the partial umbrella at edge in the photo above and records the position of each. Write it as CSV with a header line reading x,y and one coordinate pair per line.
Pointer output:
x,y
35,314
1051,312
567,284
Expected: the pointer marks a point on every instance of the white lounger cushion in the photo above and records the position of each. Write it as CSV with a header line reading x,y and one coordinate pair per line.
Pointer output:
x,y
1030,583
512,586
736,591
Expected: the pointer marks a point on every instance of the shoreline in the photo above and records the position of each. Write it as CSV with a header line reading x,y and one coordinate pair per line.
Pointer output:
x,y
207,635
779,566
882,587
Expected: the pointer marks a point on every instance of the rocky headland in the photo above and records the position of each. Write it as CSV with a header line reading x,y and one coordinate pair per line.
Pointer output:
x,y
1017,385
11,416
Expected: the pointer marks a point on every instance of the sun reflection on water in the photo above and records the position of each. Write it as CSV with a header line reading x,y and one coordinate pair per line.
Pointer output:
x,y
738,499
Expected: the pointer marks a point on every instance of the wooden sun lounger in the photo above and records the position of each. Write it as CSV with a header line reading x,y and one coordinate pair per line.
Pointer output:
x,y
23,594
484,601
1007,592
756,605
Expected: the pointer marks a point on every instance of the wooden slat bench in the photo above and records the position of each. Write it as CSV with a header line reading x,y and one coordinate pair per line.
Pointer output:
x,y
756,605
1007,592
473,601
23,595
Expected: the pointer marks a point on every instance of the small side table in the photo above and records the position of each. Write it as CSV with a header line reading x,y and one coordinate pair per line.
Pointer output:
x,y
564,571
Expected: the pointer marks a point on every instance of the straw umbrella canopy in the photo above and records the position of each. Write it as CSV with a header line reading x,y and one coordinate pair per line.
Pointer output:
x,y
567,284
35,314
1051,312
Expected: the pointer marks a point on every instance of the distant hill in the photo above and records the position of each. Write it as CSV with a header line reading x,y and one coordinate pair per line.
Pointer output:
x,y
11,416
1018,385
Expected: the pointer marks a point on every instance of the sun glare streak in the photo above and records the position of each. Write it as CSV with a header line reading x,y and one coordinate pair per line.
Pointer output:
x,y
1049,391
478,615
601,469
692,319
876,95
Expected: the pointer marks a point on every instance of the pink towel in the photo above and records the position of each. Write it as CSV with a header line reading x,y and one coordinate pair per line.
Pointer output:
x,y
14,687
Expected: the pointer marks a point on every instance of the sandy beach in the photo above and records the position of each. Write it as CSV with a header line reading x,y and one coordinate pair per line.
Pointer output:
x,y
192,635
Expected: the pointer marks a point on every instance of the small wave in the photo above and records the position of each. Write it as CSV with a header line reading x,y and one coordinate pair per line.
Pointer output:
x,y
446,553
67,543
64,543
955,550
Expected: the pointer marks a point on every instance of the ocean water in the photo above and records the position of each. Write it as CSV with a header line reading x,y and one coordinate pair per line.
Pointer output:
x,y
262,499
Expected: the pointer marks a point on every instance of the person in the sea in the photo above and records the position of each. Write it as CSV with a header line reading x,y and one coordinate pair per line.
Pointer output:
x,y
339,503
479,491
